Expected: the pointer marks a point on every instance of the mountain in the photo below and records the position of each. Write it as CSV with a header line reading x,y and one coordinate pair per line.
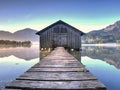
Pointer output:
x,y
21,35
26,34
110,34
4,35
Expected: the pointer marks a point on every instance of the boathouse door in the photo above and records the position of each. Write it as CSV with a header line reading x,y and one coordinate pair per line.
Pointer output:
x,y
60,40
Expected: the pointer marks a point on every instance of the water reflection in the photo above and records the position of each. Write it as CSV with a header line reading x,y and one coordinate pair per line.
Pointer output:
x,y
12,67
76,54
110,55
104,63
16,60
44,53
26,53
106,73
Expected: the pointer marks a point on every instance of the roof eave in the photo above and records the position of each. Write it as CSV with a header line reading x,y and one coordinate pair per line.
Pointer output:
x,y
60,21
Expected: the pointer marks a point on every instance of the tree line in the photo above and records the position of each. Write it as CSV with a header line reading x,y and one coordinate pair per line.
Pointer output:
x,y
15,43
103,37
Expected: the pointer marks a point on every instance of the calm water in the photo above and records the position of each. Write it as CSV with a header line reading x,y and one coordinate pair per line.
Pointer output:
x,y
16,60
103,62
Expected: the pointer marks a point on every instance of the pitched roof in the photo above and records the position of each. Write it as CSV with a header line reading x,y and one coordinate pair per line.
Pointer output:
x,y
60,22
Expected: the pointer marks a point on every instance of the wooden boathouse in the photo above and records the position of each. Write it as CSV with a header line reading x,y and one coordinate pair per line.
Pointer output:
x,y
59,70
60,34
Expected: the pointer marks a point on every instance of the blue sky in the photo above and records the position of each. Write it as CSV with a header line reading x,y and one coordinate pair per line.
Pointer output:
x,y
85,15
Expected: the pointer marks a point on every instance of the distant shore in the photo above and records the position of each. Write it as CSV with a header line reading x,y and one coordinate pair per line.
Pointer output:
x,y
8,43
104,44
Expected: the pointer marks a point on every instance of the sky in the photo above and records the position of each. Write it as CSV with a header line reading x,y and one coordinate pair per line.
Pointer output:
x,y
86,15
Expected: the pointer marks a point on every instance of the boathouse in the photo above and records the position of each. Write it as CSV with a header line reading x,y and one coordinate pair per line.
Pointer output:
x,y
60,34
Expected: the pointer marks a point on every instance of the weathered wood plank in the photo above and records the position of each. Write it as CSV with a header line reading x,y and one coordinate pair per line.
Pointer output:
x,y
60,61
58,69
59,85
78,76
60,66
62,58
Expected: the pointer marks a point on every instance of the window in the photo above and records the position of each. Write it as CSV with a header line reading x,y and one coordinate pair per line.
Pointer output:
x,y
60,30
56,30
63,30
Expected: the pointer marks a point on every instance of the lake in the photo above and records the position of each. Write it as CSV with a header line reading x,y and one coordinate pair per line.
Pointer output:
x,y
102,61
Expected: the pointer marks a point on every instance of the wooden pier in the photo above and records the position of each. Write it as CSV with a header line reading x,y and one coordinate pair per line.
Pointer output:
x,y
57,71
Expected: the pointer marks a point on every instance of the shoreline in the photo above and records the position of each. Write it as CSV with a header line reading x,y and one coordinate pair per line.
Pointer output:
x,y
104,44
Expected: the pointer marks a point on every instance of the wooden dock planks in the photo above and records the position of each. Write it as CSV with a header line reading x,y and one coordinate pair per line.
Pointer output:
x,y
59,70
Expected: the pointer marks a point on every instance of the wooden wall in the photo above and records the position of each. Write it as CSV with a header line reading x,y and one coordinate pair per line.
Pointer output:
x,y
60,35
